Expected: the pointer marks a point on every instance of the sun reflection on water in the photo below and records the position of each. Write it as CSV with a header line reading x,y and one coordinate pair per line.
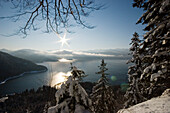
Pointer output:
x,y
65,60
59,78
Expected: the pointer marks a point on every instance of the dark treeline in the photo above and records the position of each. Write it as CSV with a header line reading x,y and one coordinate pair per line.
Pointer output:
x,y
30,101
38,101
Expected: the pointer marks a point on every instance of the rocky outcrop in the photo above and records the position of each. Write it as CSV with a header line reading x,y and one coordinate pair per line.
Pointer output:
x,y
159,104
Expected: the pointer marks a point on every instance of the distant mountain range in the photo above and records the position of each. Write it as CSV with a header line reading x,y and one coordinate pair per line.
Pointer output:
x,y
93,54
11,66
37,56
32,55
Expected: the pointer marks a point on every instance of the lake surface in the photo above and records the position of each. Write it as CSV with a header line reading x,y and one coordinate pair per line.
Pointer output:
x,y
117,70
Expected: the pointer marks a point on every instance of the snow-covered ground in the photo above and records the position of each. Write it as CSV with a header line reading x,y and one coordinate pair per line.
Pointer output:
x,y
155,105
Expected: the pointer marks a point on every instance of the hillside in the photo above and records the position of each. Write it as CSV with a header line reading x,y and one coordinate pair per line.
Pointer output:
x,y
12,66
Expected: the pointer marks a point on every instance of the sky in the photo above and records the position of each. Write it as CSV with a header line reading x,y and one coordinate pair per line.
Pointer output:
x,y
115,26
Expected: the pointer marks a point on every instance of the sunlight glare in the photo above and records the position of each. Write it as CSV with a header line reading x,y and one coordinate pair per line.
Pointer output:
x,y
59,79
63,40
64,60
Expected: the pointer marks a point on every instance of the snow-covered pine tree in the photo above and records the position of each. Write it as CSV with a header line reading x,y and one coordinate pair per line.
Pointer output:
x,y
133,94
78,74
156,46
71,97
102,95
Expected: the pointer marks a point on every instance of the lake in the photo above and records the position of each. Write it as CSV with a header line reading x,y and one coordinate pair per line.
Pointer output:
x,y
57,71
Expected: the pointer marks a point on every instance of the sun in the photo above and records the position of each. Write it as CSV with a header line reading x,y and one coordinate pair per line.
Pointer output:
x,y
63,40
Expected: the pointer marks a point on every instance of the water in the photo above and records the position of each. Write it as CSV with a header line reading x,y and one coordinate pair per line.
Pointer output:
x,y
117,75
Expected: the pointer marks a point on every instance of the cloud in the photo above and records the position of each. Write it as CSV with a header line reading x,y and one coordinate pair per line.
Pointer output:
x,y
93,54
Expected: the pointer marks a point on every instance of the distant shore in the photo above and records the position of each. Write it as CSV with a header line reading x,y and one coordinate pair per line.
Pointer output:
x,y
17,76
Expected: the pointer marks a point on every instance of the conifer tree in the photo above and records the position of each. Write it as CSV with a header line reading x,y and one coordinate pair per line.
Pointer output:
x,y
71,97
133,93
156,46
102,95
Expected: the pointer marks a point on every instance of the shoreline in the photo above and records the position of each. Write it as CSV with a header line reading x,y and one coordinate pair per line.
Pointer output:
x,y
22,74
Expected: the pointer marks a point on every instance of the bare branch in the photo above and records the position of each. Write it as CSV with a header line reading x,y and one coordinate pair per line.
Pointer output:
x,y
59,11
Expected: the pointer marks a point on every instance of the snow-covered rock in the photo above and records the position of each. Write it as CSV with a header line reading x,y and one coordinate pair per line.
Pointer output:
x,y
3,99
159,104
